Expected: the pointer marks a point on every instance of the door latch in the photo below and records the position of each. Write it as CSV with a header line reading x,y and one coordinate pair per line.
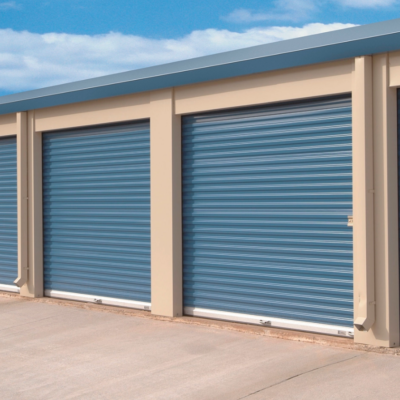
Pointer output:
x,y
350,220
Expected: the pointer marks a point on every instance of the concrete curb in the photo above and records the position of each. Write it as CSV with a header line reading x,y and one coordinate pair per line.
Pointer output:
x,y
298,336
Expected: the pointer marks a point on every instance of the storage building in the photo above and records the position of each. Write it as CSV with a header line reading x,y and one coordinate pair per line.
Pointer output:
x,y
258,185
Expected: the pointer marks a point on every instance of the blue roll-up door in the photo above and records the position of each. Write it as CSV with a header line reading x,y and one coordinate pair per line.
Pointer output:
x,y
267,192
96,212
8,214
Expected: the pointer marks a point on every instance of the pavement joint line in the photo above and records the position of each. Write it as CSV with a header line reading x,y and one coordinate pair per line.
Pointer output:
x,y
300,374
276,333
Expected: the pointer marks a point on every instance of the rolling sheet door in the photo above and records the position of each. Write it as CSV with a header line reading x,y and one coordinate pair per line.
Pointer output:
x,y
96,214
267,193
8,214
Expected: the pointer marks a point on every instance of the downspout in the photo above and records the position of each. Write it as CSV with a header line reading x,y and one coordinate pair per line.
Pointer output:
x,y
363,189
22,201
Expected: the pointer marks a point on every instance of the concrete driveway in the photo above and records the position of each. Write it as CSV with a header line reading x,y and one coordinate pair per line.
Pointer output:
x,y
53,351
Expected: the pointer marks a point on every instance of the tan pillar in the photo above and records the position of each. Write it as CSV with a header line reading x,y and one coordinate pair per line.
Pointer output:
x,y
363,197
22,197
166,209
385,329
34,286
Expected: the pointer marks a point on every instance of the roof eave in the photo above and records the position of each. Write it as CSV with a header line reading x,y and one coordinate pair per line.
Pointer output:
x,y
320,54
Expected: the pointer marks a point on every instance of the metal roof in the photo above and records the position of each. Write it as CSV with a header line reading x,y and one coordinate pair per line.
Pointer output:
x,y
346,43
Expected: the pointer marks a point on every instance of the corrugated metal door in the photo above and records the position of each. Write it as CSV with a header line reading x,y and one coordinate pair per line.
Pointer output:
x,y
96,206
266,197
8,214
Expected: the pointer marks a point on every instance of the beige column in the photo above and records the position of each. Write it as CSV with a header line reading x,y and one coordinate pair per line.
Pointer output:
x,y
34,286
22,197
166,208
385,329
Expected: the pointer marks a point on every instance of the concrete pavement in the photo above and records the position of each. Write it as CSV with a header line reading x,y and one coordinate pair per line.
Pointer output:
x,y
51,351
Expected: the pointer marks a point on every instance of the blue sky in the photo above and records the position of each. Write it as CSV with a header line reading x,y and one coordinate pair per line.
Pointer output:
x,y
44,43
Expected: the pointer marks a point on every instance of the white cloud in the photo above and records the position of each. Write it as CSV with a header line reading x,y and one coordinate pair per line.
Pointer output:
x,y
283,10
298,10
367,3
30,60
9,5
242,15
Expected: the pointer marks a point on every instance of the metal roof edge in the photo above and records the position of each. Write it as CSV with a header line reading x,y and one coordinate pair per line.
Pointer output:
x,y
330,46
